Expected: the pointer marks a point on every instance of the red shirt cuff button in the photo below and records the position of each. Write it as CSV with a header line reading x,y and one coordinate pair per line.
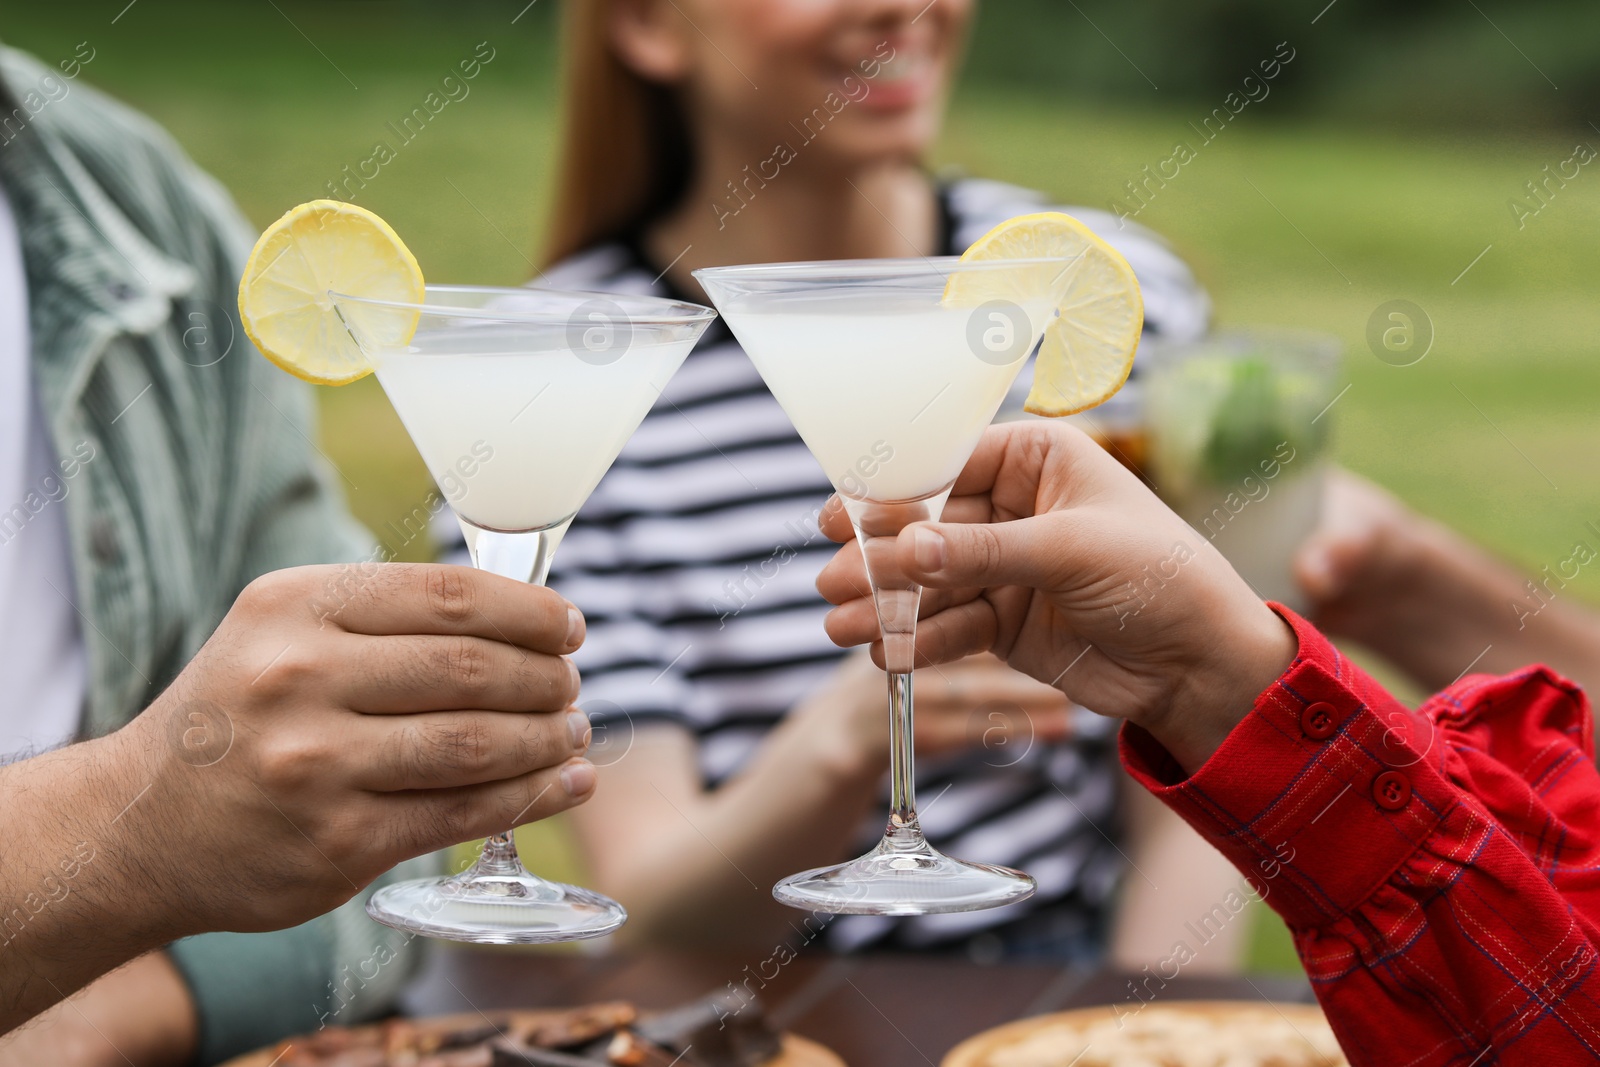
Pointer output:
x,y
1318,721
1392,790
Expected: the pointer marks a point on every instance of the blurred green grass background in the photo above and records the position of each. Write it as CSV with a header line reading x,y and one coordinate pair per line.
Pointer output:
x,y
1309,213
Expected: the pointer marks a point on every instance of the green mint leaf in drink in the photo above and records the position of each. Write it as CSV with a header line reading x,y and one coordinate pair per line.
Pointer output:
x,y
1248,425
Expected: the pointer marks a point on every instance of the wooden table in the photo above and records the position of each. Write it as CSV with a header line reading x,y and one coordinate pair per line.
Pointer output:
x,y
875,1011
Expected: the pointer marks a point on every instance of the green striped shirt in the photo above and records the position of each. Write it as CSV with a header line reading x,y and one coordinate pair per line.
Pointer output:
x,y
203,476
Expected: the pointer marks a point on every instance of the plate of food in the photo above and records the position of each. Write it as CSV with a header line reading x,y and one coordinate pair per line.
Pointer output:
x,y
1199,1033
713,1032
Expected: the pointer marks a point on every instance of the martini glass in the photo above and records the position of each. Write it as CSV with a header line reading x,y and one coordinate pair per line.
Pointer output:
x,y
891,370
518,400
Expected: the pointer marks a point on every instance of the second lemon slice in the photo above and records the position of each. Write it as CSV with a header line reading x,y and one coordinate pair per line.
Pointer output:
x,y
314,249
1088,350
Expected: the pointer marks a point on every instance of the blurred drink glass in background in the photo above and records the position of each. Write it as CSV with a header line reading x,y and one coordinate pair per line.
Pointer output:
x,y
1237,432
1118,425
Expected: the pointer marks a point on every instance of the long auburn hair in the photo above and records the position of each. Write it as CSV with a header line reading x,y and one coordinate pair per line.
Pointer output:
x,y
625,150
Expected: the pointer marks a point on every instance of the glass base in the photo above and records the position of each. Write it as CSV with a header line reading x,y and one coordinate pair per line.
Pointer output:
x,y
499,909
918,880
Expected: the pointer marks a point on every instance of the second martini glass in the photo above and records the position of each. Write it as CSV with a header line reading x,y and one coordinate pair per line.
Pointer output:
x,y
518,400
890,370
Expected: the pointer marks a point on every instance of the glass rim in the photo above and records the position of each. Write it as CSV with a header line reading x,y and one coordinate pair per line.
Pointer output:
x,y
835,270
668,312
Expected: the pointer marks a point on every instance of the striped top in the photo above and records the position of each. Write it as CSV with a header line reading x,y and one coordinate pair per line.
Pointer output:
x,y
695,563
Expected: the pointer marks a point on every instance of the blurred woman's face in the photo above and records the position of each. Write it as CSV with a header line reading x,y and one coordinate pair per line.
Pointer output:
x,y
846,82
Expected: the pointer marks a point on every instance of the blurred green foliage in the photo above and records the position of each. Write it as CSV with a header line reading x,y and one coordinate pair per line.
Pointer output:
x,y
1395,62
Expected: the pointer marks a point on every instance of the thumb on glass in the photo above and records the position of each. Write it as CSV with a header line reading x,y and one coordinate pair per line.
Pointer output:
x,y
958,554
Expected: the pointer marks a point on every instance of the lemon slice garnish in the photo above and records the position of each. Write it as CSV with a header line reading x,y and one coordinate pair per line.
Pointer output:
x,y
323,246
1088,350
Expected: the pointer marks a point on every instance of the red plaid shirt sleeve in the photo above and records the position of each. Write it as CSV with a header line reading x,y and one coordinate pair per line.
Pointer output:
x,y
1439,869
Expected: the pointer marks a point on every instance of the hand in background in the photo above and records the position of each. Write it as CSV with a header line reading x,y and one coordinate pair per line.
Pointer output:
x,y
1431,602
1360,559
694,863
1067,567
977,701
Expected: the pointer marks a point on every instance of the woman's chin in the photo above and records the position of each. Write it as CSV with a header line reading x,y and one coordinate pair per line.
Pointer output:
x,y
879,139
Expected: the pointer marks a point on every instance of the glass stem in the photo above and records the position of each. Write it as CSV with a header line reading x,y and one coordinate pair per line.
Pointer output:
x,y
904,830
499,856
897,599
897,618
524,557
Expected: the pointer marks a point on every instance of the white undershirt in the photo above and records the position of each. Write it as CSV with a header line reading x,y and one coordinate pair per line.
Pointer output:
x,y
42,657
